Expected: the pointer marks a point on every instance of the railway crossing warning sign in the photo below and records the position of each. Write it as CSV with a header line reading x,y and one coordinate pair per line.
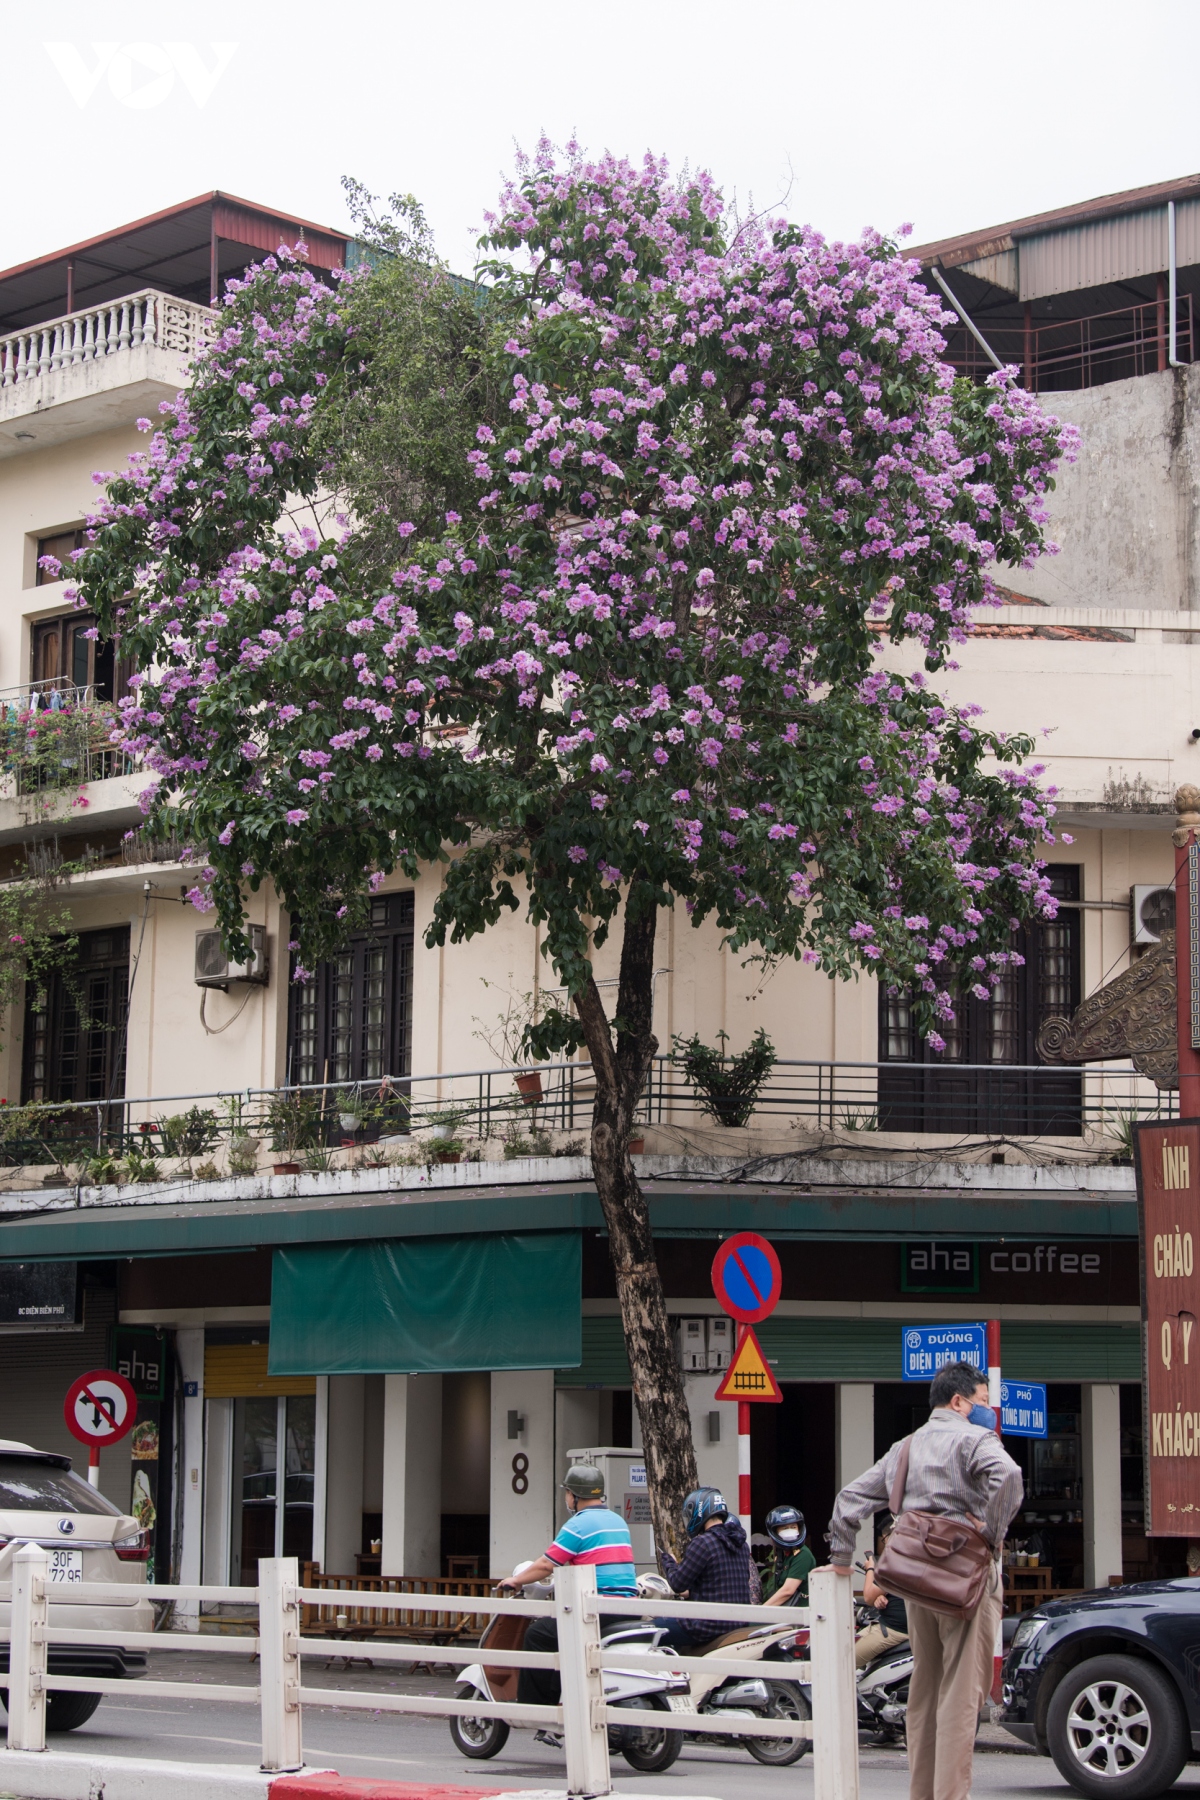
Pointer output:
x,y
748,1376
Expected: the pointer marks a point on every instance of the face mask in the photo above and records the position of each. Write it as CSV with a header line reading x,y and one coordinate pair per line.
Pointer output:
x,y
983,1415
788,1534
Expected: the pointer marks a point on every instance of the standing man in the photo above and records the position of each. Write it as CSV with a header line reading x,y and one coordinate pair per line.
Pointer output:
x,y
592,1534
958,1467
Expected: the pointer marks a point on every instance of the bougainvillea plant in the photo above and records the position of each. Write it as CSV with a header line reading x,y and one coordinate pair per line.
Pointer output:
x,y
728,489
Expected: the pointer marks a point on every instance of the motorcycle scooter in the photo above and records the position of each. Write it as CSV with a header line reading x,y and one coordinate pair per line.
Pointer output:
x,y
644,1749
754,1696
881,1689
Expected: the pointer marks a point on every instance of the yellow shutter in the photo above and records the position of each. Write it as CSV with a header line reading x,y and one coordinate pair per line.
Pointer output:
x,y
239,1372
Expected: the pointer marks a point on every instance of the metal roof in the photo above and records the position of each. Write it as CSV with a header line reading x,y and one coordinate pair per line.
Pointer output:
x,y
993,240
171,250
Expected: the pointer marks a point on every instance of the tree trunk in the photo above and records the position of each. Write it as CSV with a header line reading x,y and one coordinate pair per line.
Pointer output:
x,y
620,1072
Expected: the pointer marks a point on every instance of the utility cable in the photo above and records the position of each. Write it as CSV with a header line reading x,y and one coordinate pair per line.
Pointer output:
x,y
216,1030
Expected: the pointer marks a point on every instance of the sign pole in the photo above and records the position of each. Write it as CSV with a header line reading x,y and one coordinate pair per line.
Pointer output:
x,y
94,1465
743,1407
993,1372
747,1281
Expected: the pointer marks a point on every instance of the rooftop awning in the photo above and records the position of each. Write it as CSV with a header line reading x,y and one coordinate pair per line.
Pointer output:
x,y
177,251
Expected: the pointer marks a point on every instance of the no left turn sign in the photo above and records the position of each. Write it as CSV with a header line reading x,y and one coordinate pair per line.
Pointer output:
x,y
100,1407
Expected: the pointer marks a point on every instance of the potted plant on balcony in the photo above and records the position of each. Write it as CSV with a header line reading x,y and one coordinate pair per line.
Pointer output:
x,y
294,1122
506,1039
444,1139
729,1085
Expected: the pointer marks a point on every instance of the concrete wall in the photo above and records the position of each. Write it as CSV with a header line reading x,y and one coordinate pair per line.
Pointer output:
x,y
1127,514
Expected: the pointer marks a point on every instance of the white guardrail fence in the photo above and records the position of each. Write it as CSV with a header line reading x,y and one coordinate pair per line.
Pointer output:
x,y
583,1717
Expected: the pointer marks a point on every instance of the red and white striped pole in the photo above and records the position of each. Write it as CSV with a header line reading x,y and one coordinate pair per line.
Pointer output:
x,y
993,1375
744,1464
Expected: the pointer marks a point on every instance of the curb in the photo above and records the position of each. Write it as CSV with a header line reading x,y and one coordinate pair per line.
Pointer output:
x,y
321,1786
62,1775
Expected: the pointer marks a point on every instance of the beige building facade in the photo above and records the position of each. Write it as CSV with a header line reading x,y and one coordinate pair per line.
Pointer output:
x,y
414,1471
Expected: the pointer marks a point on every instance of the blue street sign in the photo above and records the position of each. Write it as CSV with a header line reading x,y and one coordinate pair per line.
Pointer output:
x,y
926,1348
1023,1408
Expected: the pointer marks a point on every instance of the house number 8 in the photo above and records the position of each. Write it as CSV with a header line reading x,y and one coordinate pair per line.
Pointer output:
x,y
520,1480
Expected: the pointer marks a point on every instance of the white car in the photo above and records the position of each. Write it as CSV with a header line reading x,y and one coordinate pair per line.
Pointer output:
x,y
89,1539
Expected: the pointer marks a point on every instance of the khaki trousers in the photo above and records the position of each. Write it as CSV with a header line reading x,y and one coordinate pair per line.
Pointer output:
x,y
952,1676
872,1642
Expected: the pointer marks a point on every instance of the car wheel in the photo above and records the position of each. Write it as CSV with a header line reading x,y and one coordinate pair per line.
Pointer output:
x,y
1115,1727
476,1738
787,1702
644,1749
67,1712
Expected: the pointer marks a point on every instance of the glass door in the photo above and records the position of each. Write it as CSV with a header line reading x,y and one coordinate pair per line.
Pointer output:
x,y
260,1527
255,1437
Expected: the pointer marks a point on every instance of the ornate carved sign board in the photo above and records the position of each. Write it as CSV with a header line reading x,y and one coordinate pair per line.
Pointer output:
x,y
1168,1182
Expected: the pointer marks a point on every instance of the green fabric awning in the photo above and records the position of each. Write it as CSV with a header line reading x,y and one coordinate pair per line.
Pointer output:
x,y
501,1300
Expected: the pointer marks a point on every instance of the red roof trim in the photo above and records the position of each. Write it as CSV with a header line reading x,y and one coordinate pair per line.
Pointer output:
x,y
172,212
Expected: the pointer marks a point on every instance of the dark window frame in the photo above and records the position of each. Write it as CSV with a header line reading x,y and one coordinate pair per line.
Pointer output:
x,y
952,1093
352,1022
60,650
75,1024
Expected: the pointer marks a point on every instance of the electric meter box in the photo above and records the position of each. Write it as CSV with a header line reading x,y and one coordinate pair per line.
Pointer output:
x,y
691,1344
628,1493
720,1342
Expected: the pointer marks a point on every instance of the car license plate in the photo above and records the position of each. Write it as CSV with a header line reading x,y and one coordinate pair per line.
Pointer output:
x,y
66,1566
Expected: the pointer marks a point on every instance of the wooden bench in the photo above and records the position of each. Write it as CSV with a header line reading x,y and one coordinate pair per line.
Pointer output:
x,y
410,1622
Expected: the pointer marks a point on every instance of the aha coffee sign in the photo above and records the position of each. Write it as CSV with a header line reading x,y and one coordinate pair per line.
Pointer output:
x,y
1168,1180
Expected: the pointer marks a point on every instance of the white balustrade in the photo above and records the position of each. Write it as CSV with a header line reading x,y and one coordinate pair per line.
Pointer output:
x,y
179,326
582,1717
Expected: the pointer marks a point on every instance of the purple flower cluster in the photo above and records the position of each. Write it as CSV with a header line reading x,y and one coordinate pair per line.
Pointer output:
x,y
734,471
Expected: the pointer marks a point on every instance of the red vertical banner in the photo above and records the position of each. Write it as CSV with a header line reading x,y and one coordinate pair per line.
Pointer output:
x,y
1168,1181
1187,954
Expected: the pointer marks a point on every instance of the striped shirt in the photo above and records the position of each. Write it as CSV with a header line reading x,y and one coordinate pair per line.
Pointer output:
x,y
954,1468
598,1536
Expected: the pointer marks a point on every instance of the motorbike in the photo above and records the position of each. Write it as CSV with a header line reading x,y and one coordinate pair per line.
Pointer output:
x,y
644,1749
730,1697
881,1689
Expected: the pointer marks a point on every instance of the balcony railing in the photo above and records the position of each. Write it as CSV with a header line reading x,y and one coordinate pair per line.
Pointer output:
x,y
1081,353
305,1123
179,326
68,733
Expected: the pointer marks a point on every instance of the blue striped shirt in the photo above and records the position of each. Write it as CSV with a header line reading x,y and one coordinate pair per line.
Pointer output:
x,y
599,1536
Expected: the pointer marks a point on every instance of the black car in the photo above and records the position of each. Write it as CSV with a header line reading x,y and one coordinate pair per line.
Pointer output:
x,y
1108,1684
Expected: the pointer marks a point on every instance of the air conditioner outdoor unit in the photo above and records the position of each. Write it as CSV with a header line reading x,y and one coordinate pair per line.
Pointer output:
x,y
1152,911
214,969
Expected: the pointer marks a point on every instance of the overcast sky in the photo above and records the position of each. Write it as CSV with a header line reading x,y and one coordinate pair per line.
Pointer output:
x,y
950,116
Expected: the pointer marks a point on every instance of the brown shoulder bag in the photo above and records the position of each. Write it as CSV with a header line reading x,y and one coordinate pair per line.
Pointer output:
x,y
936,1561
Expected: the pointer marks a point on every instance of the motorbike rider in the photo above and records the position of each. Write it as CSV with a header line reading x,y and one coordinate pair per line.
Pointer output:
x,y
592,1534
716,1566
890,1626
787,1578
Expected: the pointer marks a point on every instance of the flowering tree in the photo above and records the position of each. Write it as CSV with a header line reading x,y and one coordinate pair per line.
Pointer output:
x,y
727,480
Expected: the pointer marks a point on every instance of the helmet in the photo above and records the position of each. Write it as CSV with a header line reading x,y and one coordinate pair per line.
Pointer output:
x,y
585,1481
701,1505
785,1527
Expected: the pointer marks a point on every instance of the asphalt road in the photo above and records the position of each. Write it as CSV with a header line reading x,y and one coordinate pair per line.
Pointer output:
x,y
367,1744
